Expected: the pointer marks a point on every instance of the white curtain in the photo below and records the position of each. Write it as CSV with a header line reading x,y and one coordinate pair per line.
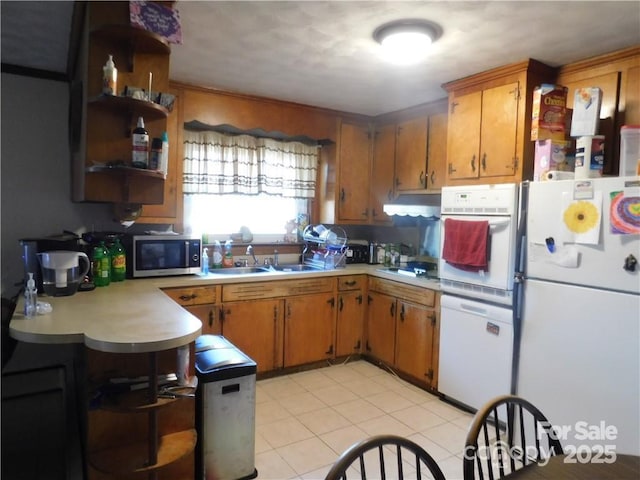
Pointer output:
x,y
218,163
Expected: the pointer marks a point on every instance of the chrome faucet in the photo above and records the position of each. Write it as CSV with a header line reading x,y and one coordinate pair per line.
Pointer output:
x,y
250,252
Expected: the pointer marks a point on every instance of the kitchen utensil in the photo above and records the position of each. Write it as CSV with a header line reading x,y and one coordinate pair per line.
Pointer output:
x,y
61,271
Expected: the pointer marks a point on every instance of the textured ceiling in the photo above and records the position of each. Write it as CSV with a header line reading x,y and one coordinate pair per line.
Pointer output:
x,y
323,53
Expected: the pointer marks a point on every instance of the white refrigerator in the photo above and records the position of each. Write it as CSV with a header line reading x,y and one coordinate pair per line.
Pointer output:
x,y
579,352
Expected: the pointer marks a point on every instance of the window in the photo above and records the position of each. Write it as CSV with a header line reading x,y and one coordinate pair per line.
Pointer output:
x,y
232,181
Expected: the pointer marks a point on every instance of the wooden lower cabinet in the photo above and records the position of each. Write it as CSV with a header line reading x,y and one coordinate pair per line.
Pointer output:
x,y
255,327
381,327
414,340
309,329
403,329
202,302
352,308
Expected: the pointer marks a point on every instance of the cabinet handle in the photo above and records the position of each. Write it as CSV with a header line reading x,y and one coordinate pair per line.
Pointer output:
x,y
402,313
473,163
330,351
451,169
357,345
332,302
392,311
365,213
367,346
373,213
422,178
515,163
342,195
288,310
186,298
212,317
398,183
390,194
221,315
432,177
340,303
350,283
453,106
359,299
484,161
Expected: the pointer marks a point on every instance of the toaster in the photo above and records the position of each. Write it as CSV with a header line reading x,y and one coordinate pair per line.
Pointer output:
x,y
357,253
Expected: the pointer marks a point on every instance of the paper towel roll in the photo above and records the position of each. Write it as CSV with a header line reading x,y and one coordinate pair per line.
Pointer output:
x,y
558,175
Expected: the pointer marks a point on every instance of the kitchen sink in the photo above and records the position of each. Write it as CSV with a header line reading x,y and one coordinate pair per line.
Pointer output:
x,y
297,267
240,270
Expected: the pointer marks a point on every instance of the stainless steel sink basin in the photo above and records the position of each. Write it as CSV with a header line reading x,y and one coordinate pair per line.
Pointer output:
x,y
298,267
240,270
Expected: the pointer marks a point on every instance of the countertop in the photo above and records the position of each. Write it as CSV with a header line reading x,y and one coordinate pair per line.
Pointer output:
x,y
135,316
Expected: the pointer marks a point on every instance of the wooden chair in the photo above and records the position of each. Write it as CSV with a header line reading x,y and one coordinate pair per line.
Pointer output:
x,y
507,434
382,457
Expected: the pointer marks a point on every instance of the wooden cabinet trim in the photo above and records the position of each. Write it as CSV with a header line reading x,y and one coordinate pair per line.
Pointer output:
x,y
285,288
420,295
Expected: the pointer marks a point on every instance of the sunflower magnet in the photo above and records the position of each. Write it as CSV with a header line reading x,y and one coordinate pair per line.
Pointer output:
x,y
582,219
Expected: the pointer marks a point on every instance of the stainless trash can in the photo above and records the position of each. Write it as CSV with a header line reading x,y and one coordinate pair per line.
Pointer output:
x,y
225,410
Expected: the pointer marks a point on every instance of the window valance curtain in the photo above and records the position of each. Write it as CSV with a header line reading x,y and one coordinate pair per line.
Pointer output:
x,y
218,163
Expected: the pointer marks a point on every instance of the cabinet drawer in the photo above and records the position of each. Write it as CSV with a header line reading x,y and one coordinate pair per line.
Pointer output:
x,y
187,296
419,295
255,290
352,282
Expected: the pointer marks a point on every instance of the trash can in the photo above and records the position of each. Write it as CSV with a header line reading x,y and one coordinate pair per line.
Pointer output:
x,y
225,410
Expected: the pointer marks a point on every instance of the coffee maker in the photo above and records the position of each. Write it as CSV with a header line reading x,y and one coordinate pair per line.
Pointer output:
x,y
30,247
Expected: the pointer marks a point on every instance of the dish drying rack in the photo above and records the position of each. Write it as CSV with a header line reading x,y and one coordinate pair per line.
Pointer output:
x,y
325,248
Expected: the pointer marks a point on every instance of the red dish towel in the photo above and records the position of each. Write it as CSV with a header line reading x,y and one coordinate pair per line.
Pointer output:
x,y
465,244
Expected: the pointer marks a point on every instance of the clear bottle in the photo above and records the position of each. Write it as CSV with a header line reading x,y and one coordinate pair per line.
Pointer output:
x,y
30,298
155,158
217,255
109,77
227,260
164,156
140,144
118,262
205,261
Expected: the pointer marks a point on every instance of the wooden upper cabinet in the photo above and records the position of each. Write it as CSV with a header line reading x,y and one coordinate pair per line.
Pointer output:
x,y
437,151
490,124
382,167
411,154
353,178
101,140
483,133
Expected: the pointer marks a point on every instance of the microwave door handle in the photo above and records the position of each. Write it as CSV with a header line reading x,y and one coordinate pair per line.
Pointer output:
x,y
186,253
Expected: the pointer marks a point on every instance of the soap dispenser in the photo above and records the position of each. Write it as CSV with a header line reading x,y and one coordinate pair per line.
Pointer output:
x,y
30,298
110,77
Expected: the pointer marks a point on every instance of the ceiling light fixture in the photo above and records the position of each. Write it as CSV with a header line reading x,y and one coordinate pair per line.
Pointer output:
x,y
406,41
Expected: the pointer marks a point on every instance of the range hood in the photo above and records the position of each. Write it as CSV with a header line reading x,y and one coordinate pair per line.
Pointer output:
x,y
414,206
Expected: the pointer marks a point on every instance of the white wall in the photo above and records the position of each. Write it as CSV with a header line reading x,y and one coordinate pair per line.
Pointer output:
x,y
36,172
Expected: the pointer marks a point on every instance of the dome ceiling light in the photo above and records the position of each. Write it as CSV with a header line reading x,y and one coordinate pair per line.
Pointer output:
x,y
406,42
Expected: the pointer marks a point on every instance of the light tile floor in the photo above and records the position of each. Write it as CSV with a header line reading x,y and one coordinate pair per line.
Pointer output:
x,y
304,421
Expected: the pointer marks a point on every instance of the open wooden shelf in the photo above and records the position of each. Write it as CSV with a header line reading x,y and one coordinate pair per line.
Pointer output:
x,y
128,105
127,459
138,39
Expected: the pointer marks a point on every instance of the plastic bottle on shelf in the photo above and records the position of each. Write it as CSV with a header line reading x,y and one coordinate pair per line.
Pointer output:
x,y
227,260
118,262
164,156
30,298
155,158
110,78
140,144
101,265
217,255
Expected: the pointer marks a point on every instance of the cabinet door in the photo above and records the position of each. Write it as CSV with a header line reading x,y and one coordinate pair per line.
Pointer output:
x,y
255,327
208,315
411,154
499,130
382,168
170,211
353,165
437,151
463,135
350,323
414,340
381,327
309,329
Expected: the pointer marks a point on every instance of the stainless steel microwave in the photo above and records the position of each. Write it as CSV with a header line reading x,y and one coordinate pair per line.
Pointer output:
x,y
162,255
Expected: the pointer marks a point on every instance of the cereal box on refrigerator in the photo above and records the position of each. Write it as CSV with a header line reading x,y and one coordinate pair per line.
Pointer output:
x,y
586,111
548,120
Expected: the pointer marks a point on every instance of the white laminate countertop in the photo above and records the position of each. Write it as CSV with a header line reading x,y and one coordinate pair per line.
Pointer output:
x,y
135,316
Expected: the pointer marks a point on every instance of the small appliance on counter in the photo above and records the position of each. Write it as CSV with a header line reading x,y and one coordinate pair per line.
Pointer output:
x,y
162,255
357,252
31,247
